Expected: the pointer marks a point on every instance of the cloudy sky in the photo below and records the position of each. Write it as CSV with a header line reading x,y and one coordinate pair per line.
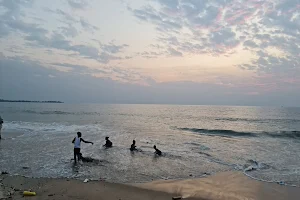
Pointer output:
x,y
236,52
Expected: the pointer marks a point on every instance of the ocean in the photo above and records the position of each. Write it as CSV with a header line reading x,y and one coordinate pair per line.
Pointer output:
x,y
263,142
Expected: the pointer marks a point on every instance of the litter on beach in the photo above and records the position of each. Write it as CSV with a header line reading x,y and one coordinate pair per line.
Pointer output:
x,y
86,180
28,193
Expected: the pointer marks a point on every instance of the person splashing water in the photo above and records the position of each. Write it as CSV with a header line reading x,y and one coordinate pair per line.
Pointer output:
x,y
77,141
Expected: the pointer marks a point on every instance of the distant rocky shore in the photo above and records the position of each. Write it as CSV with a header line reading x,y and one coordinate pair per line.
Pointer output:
x,y
25,101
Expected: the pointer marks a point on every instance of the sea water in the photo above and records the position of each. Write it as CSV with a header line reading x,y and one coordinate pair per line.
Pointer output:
x,y
195,141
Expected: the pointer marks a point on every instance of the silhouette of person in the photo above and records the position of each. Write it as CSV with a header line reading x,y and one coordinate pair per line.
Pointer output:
x,y
157,151
77,141
108,143
133,147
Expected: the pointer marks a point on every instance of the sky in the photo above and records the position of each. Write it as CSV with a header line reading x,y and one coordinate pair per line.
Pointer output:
x,y
216,52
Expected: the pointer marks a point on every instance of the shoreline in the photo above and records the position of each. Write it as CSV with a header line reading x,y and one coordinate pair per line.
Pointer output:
x,y
223,185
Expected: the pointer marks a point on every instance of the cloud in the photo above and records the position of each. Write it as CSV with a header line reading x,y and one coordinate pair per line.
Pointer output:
x,y
13,8
218,27
172,4
71,20
31,30
113,48
11,22
151,54
149,14
44,83
124,75
66,16
4,30
58,41
174,52
195,16
69,31
78,4
36,36
81,69
224,37
87,26
28,28
267,29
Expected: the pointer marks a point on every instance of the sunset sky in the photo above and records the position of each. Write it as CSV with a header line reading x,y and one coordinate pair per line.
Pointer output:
x,y
239,52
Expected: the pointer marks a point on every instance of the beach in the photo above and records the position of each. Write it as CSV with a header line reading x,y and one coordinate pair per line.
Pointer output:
x,y
48,189
226,185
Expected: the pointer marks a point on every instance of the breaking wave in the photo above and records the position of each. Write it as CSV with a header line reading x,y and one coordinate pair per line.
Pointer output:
x,y
57,112
231,133
259,120
38,127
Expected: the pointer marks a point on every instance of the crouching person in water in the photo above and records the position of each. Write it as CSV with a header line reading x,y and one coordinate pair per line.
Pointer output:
x,y
133,147
77,141
157,151
1,122
108,143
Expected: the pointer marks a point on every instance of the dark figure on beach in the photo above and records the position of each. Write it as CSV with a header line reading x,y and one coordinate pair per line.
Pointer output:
x,y
1,122
77,141
157,151
108,143
133,147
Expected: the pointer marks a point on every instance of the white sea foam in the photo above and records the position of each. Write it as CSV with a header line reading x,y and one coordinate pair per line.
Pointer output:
x,y
36,127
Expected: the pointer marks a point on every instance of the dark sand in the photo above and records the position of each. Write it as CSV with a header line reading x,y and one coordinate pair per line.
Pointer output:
x,y
49,189
228,185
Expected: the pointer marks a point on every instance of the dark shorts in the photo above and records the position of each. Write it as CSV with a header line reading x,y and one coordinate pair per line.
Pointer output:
x,y
76,150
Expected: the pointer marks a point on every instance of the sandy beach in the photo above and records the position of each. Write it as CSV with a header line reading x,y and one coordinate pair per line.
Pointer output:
x,y
226,185
12,187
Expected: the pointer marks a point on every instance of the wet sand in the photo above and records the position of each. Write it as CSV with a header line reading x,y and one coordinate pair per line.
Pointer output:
x,y
227,185
64,189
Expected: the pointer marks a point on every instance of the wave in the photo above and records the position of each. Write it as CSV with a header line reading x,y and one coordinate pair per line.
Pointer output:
x,y
219,132
252,165
284,134
58,112
232,119
231,133
38,127
55,112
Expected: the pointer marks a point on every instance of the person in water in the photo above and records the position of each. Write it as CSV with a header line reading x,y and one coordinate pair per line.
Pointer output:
x,y
108,143
133,147
77,141
1,122
157,151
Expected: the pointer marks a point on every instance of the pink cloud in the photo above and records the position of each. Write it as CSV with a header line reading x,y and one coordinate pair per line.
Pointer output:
x,y
220,14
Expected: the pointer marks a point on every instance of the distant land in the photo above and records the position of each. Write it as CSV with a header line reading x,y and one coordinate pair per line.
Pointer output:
x,y
25,101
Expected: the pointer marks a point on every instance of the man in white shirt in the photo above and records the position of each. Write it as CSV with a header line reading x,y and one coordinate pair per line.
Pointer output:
x,y
77,141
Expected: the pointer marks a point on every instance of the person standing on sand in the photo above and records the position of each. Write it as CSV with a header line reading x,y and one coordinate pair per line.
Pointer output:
x,y
77,141
1,122
108,143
